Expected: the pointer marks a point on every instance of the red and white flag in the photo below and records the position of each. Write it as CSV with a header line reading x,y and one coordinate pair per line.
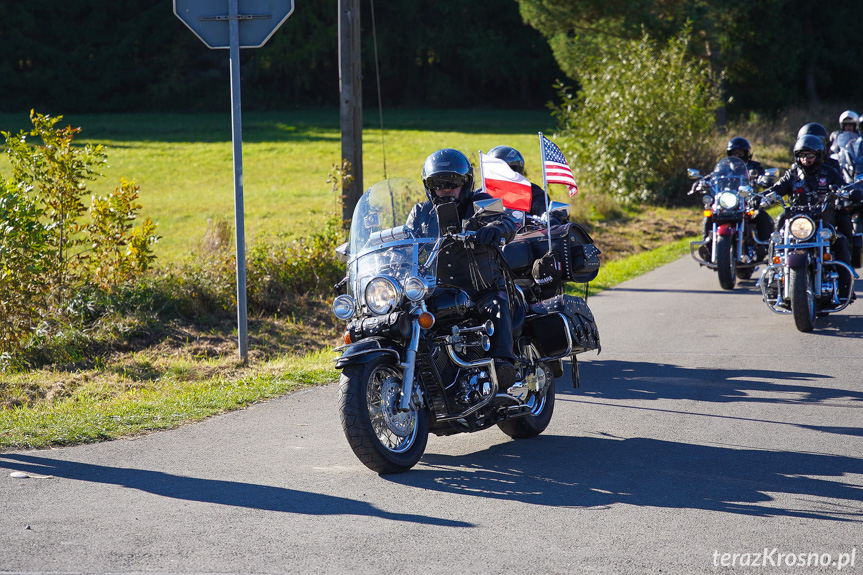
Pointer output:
x,y
500,181
556,169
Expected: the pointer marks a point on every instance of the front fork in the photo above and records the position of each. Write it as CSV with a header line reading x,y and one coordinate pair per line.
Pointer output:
x,y
409,364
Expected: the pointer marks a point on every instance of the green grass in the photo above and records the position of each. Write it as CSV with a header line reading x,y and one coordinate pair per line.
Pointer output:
x,y
183,162
93,412
619,271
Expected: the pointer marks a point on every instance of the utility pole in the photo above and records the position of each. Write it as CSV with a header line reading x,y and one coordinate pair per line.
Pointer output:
x,y
351,104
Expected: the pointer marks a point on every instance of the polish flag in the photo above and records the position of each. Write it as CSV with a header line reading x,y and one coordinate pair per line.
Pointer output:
x,y
500,181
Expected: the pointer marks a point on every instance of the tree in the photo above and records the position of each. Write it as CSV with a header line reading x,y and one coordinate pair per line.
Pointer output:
x,y
764,55
645,113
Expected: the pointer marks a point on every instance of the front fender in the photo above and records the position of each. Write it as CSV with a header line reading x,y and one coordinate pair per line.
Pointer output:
x,y
364,352
726,230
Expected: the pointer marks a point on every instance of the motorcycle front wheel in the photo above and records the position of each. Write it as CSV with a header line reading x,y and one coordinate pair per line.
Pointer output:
x,y
802,300
541,410
726,267
384,439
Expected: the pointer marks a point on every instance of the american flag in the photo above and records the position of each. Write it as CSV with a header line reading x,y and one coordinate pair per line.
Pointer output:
x,y
556,169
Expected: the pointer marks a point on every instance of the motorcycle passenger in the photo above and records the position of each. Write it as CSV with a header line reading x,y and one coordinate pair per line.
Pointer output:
x,y
739,147
447,176
516,162
805,183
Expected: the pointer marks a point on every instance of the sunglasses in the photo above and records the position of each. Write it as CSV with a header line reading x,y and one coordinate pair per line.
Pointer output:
x,y
737,153
807,156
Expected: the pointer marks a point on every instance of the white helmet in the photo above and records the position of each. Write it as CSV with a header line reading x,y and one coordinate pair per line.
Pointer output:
x,y
848,117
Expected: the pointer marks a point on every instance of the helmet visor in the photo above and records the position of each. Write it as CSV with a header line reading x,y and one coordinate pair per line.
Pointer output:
x,y
445,181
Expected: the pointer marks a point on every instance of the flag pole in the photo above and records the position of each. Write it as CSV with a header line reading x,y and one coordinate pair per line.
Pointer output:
x,y
481,174
545,189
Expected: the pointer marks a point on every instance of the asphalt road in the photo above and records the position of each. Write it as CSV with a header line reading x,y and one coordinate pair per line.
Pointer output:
x,y
707,427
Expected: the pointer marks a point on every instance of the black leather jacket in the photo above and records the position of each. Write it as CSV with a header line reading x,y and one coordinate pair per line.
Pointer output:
x,y
803,188
472,270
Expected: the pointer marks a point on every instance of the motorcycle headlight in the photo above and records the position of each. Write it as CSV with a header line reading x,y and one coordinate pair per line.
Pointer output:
x,y
415,288
728,200
802,228
383,295
826,234
344,306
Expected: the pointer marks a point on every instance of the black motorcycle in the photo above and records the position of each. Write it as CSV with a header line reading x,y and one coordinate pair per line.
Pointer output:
x,y
803,278
415,356
731,248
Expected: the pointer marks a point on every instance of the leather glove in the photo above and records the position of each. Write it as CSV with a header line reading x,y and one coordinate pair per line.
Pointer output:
x,y
489,235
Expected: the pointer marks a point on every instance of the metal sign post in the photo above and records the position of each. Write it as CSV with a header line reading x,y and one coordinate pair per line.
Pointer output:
x,y
259,19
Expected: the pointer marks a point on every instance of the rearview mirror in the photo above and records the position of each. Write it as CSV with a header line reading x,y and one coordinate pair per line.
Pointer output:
x,y
491,207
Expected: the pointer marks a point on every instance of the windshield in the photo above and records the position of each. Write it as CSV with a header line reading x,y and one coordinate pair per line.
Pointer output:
x,y
728,176
380,242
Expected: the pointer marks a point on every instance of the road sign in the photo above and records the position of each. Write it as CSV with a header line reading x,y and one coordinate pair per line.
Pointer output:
x,y
258,20
235,24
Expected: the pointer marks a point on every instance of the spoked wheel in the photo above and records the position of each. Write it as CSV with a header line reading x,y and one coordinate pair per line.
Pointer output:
x,y
541,409
726,267
384,438
802,300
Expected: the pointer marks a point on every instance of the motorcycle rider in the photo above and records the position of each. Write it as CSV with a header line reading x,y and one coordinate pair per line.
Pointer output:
x,y
807,180
447,176
739,147
816,129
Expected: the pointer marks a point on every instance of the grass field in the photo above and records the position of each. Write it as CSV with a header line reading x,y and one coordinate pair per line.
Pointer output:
x,y
183,162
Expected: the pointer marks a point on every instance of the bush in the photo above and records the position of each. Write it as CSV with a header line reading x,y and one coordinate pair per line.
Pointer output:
x,y
24,264
642,117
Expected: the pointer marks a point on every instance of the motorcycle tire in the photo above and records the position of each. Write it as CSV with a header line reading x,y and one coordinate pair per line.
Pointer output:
x,y
383,438
745,273
802,300
527,426
726,267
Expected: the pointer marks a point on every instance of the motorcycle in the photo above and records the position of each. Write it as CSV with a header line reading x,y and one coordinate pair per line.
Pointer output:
x,y
851,163
732,248
414,360
803,276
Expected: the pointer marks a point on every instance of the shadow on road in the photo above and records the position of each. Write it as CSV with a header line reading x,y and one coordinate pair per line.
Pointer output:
x,y
235,494
645,380
583,472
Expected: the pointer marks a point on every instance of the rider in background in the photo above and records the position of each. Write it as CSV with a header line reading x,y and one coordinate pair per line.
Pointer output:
x,y
739,147
447,176
816,129
805,184
848,122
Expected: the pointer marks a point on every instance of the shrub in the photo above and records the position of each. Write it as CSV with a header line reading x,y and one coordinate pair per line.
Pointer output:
x,y
643,116
24,264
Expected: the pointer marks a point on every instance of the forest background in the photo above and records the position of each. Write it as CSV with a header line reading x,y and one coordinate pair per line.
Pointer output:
x,y
135,56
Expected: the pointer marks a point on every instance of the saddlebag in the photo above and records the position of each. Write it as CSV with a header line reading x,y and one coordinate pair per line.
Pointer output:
x,y
549,320
572,246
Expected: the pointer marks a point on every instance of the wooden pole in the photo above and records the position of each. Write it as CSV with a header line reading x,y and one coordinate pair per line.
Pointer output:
x,y
351,106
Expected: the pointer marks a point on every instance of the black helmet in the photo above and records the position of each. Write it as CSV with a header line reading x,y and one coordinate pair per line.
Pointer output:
x,y
810,143
509,155
447,169
739,143
814,129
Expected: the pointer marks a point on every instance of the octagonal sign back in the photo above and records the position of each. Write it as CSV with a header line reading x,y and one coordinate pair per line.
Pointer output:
x,y
209,20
